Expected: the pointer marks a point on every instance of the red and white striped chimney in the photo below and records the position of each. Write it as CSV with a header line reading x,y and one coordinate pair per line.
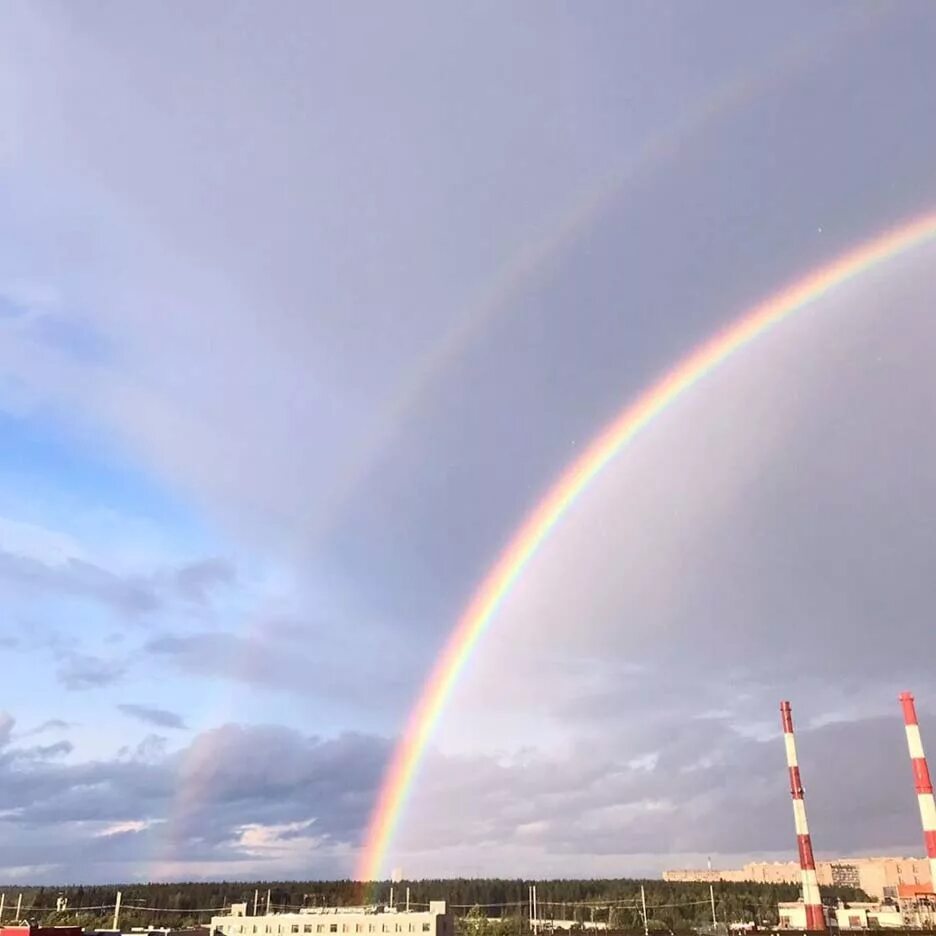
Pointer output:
x,y
815,918
921,780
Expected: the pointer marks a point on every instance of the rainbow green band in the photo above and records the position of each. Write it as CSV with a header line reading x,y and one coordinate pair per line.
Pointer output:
x,y
538,525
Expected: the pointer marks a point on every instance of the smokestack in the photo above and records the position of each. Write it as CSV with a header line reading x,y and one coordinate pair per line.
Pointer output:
x,y
815,918
921,780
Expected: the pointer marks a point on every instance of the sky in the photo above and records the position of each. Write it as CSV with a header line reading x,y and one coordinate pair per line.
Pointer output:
x,y
303,307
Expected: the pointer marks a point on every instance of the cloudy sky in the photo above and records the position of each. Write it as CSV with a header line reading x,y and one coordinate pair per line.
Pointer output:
x,y
302,309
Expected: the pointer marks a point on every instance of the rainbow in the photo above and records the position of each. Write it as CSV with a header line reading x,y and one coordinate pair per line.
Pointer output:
x,y
544,517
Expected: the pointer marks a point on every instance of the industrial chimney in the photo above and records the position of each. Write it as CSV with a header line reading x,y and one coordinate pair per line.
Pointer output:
x,y
815,918
921,780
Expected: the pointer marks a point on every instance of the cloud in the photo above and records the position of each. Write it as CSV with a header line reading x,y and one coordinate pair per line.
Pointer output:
x,y
80,671
238,801
151,749
45,751
7,723
285,839
242,801
130,595
42,545
50,724
279,662
160,717
129,827
580,811
197,580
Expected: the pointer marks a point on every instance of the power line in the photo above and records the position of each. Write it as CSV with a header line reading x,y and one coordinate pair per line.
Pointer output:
x,y
125,907
130,909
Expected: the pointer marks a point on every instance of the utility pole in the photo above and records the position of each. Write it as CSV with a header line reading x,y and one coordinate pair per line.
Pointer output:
x,y
643,901
407,899
711,891
2,902
256,900
391,897
269,894
19,907
116,925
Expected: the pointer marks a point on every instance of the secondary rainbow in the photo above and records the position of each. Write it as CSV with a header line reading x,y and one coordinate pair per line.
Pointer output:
x,y
544,517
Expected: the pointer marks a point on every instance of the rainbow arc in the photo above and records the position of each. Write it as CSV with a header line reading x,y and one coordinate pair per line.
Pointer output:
x,y
538,525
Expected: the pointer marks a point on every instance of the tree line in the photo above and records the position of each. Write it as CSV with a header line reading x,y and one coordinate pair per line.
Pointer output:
x,y
484,906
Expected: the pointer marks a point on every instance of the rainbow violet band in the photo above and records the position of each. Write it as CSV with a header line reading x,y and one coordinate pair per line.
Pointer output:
x,y
574,480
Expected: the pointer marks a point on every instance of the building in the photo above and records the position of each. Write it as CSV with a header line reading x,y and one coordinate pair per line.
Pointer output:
x,y
343,921
877,877
791,915
760,872
913,913
870,916
883,877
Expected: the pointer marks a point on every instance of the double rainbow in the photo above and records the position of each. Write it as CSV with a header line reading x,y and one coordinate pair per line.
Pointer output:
x,y
538,525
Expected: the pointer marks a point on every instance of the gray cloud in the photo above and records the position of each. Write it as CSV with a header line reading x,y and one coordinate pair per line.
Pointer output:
x,y
160,717
132,594
279,662
197,580
305,800
75,577
151,809
53,724
79,671
708,790
46,751
50,724
151,749
7,723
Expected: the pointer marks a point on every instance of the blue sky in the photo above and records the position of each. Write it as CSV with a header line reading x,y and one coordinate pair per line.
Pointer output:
x,y
302,309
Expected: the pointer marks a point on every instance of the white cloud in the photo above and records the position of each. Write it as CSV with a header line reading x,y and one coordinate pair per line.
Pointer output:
x,y
44,545
280,840
127,827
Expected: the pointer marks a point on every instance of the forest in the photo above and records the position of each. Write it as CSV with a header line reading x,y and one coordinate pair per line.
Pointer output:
x,y
483,906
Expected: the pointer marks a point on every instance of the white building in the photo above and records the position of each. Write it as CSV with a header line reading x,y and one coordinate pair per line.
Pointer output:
x,y
870,916
917,913
343,921
910,914
792,915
